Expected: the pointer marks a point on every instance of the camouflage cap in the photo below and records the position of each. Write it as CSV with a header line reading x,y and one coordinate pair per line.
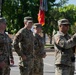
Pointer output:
x,y
37,25
63,22
30,21
28,18
2,20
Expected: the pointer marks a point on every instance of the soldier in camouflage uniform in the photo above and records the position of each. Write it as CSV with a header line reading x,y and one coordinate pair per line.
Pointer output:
x,y
64,55
10,58
24,46
4,49
39,50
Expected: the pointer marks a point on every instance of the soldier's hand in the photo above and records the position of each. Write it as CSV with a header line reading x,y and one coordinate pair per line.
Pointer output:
x,y
74,37
44,55
24,57
2,64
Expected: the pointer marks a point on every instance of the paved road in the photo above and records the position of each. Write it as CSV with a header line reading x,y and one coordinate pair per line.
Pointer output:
x,y
48,65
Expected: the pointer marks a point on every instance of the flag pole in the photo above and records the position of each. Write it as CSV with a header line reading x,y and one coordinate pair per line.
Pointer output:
x,y
41,14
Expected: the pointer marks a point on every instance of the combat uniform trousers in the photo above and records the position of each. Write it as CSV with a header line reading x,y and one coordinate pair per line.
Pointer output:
x,y
72,68
38,66
5,70
27,68
63,70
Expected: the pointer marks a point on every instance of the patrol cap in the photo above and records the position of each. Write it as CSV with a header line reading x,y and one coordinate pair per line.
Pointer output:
x,y
28,18
30,21
37,25
2,20
63,22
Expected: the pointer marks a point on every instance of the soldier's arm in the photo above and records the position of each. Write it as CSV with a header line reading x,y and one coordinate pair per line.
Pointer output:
x,y
42,51
11,54
65,44
17,39
10,49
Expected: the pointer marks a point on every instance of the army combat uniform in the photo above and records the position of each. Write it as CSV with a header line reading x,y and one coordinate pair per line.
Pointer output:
x,y
5,53
23,45
64,55
11,52
39,53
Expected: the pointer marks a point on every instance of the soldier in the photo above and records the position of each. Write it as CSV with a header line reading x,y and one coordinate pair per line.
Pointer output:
x,y
24,46
64,55
4,49
39,50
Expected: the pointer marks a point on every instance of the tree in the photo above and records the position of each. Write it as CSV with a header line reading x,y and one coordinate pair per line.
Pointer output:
x,y
69,12
52,16
15,10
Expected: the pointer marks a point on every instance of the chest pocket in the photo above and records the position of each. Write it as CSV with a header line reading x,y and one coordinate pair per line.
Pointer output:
x,y
27,38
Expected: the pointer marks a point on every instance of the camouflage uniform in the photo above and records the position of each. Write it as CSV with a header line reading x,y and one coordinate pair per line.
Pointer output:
x,y
64,55
39,53
11,54
11,58
23,44
5,53
4,49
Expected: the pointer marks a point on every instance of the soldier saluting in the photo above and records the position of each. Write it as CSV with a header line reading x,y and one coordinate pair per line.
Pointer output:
x,y
64,55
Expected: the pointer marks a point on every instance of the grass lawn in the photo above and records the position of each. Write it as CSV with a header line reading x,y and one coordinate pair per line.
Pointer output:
x,y
49,46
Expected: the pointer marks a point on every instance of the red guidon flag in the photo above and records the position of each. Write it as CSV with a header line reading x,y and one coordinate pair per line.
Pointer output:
x,y
41,17
41,13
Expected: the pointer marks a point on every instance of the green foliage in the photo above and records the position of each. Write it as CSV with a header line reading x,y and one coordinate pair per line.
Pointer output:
x,y
73,29
15,10
69,12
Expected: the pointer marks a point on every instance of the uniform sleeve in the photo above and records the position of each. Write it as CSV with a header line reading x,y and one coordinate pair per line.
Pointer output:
x,y
70,43
11,52
61,42
41,46
17,39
